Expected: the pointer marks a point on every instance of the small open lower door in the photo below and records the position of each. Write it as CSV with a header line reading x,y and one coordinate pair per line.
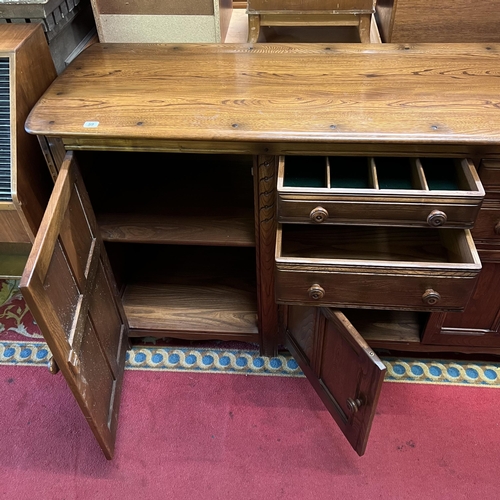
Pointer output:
x,y
70,289
340,365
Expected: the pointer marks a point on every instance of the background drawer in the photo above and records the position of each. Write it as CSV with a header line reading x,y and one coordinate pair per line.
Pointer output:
x,y
489,172
487,227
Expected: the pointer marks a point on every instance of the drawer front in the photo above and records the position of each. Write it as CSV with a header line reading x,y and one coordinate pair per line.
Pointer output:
x,y
363,210
395,268
425,192
489,172
372,291
487,228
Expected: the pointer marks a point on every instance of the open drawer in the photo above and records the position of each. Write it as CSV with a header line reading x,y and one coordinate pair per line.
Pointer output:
x,y
423,192
375,267
341,366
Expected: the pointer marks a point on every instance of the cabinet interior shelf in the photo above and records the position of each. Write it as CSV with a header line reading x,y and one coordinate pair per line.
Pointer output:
x,y
182,199
188,292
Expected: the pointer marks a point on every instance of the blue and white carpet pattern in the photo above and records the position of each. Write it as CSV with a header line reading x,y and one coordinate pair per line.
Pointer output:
x,y
251,363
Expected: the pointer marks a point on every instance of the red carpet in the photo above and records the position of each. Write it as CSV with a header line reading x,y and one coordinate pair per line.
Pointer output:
x,y
210,436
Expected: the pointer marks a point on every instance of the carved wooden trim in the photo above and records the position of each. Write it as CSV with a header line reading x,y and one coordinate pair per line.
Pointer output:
x,y
265,176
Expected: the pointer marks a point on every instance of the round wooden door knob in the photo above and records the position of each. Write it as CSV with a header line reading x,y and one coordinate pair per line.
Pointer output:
x,y
430,297
354,404
497,227
437,218
316,292
318,214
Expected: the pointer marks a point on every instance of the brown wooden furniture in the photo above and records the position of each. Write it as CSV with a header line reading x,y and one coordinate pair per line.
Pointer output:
x,y
26,70
421,21
352,148
310,13
159,21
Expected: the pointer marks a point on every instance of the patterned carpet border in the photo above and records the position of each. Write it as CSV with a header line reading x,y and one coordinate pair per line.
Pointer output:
x,y
421,371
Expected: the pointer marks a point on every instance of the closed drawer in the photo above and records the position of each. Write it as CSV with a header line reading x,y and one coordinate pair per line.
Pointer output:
x,y
487,227
420,192
375,267
489,172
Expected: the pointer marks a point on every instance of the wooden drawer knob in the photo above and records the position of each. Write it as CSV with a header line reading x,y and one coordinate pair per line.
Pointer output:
x,y
354,404
318,214
436,218
430,297
316,292
497,227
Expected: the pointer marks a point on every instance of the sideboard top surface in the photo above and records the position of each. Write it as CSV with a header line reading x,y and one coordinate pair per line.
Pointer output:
x,y
302,94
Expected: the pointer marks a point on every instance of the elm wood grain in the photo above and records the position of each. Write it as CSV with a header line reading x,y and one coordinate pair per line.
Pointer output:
x,y
369,267
189,292
69,288
265,173
341,202
245,97
31,72
183,229
447,21
342,368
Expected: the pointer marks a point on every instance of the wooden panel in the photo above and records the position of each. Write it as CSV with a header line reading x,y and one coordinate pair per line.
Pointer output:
x,y
265,173
33,72
415,21
154,7
487,228
479,324
489,172
236,97
12,229
69,289
343,370
309,5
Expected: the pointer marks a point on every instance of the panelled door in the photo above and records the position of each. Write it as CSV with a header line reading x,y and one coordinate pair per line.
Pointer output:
x,y
344,371
70,289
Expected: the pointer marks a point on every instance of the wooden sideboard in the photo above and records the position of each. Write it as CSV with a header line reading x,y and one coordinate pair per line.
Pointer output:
x,y
198,186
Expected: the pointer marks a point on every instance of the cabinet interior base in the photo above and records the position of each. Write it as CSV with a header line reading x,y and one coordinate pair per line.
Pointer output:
x,y
188,292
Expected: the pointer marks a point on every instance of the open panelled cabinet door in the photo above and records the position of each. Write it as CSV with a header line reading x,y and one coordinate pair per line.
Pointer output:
x,y
342,368
70,289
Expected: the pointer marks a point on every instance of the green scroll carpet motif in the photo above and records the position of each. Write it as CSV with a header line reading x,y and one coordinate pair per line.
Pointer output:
x,y
247,362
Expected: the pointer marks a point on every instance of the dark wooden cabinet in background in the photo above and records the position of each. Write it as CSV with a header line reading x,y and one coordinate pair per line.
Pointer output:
x,y
195,123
